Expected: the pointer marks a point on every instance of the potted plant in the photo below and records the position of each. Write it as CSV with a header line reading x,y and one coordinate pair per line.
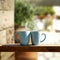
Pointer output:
x,y
23,14
42,11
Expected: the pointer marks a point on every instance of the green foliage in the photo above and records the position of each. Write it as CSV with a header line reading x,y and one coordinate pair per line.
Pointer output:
x,y
50,10
23,13
42,10
31,25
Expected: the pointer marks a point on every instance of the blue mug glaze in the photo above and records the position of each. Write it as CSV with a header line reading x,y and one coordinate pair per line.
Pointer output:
x,y
24,37
35,37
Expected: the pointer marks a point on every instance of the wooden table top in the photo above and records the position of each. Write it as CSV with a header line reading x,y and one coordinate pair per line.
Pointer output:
x,y
30,48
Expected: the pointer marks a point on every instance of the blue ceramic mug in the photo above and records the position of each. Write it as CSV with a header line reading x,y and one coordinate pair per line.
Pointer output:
x,y
23,37
35,37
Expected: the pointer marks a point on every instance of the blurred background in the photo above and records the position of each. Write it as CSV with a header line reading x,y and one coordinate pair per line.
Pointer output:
x,y
33,15
48,56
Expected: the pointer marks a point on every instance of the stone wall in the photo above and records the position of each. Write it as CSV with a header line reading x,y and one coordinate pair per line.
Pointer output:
x,y
6,21
7,27
6,4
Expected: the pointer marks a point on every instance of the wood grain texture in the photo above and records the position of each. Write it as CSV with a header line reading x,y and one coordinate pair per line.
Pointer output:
x,y
18,48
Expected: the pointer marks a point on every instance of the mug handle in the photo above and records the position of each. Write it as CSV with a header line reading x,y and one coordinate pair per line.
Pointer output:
x,y
44,37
